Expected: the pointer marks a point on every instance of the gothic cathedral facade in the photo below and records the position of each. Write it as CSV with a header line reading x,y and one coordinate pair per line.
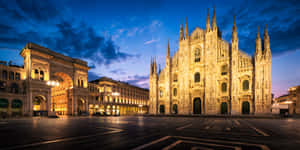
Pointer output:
x,y
208,75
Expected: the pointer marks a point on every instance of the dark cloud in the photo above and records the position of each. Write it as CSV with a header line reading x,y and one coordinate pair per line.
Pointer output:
x,y
283,24
137,80
37,9
66,36
93,76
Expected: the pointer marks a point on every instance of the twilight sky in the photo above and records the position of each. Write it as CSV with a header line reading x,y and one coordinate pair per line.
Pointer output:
x,y
118,37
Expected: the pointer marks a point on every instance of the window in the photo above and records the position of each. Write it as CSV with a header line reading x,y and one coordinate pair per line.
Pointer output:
x,y
224,70
11,75
36,74
197,55
175,92
81,83
78,83
224,87
18,76
42,75
175,78
4,75
197,77
161,93
246,85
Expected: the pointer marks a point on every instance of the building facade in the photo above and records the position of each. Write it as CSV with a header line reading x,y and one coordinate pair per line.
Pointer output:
x,y
50,82
117,98
289,103
208,75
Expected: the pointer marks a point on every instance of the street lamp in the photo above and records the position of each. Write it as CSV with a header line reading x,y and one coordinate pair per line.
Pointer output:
x,y
53,84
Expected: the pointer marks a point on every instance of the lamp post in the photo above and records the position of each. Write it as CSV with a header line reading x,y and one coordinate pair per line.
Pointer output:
x,y
53,84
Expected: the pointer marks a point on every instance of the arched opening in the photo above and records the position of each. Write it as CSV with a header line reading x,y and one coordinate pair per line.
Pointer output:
x,y
81,107
197,106
3,107
245,108
175,109
197,77
224,87
224,108
16,106
162,109
61,95
39,106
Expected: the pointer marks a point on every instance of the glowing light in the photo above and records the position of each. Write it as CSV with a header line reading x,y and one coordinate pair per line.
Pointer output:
x,y
48,82
288,102
115,94
140,105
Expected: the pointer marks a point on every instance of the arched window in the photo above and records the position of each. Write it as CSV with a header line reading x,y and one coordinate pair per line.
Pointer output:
x,y
4,75
197,55
224,87
246,85
11,75
175,78
224,70
36,74
42,75
175,92
161,94
18,76
197,77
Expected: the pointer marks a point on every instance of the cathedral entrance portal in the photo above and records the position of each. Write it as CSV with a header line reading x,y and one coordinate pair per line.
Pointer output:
x,y
224,108
197,106
162,109
175,109
245,107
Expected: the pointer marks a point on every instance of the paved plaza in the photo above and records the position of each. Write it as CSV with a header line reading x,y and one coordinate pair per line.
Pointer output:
x,y
141,133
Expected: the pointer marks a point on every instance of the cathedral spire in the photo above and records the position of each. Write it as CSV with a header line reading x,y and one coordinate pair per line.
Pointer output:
x,y
266,39
207,21
234,30
258,43
186,30
214,23
181,31
168,49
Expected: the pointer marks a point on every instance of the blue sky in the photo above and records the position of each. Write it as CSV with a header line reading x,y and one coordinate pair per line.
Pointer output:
x,y
118,37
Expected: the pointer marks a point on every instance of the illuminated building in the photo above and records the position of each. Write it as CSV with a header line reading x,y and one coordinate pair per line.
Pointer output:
x,y
117,98
208,75
289,103
50,83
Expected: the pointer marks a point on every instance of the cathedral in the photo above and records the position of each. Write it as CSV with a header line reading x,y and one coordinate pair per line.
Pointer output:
x,y
208,75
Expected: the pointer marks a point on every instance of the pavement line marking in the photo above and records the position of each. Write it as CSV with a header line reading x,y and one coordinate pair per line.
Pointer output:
x,y
207,127
263,147
213,144
237,122
115,130
172,145
258,130
151,143
228,129
261,132
183,127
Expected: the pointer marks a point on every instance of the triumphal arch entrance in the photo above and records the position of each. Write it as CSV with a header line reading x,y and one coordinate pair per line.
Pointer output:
x,y
60,82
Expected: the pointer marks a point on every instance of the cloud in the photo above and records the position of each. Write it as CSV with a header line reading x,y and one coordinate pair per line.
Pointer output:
x,y
93,76
65,35
118,71
151,41
283,27
138,80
